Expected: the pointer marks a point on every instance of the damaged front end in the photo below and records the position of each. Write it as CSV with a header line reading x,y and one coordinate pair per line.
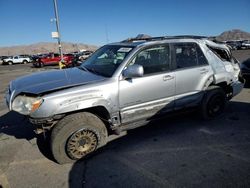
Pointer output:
x,y
43,125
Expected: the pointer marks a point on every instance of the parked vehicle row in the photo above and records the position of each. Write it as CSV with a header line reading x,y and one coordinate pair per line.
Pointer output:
x,y
239,44
40,60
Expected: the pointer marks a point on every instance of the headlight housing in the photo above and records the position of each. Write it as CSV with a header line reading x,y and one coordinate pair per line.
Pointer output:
x,y
26,105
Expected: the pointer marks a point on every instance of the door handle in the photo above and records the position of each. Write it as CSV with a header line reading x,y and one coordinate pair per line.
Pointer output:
x,y
168,77
204,71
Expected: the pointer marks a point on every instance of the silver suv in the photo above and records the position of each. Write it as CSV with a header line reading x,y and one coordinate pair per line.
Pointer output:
x,y
122,86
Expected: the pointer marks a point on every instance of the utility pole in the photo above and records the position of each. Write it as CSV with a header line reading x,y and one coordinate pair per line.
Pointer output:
x,y
106,32
58,33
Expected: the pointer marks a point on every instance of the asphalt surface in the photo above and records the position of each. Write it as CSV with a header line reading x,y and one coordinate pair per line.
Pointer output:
x,y
179,151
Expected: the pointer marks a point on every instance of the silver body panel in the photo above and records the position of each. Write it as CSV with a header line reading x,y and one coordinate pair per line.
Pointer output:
x,y
146,100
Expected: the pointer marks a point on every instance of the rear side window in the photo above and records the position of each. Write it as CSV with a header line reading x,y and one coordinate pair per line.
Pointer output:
x,y
221,53
188,55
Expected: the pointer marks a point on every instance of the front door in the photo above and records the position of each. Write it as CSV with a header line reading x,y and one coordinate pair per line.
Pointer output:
x,y
148,96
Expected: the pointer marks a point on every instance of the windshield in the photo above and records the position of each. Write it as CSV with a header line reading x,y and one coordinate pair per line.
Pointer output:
x,y
106,59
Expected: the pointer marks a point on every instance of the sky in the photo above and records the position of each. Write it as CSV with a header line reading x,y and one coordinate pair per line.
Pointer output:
x,y
99,22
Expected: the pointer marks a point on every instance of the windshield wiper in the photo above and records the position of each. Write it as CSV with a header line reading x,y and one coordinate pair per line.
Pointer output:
x,y
93,71
90,70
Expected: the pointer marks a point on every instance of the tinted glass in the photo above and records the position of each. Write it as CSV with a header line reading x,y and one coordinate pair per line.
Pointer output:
x,y
107,59
188,55
154,59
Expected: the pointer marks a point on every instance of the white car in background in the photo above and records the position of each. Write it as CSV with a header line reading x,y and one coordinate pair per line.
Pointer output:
x,y
246,44
85,55
17,59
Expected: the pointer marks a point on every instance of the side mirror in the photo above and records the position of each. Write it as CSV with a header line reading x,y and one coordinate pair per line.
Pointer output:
x,y
133,71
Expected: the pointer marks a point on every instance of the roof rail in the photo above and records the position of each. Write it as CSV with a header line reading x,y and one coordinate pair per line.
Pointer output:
x,y
167,37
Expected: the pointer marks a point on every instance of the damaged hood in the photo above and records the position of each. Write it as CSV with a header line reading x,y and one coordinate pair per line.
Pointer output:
x,y
47,81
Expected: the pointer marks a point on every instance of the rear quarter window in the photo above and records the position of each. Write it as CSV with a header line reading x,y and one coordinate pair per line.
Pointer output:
x,y
221,53
188,55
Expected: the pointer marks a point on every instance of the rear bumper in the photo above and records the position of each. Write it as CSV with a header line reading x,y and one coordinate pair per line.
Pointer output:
x,y
246,75
237,87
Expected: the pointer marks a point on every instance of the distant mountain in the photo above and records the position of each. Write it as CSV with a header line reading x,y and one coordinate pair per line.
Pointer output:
x,y
234,34
45,47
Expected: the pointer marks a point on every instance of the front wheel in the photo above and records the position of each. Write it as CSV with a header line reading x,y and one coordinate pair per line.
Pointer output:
x,y
213,103
76,136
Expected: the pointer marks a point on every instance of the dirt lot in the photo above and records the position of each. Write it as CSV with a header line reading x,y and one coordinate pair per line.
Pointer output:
x,y
241,55
181,151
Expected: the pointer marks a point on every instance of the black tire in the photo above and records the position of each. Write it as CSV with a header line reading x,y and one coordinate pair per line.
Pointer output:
x,y
76,136
25,62
10,63
36,64
213,103
41,64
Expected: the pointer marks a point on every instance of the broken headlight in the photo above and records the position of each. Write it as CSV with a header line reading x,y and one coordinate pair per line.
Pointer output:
x,y
26,105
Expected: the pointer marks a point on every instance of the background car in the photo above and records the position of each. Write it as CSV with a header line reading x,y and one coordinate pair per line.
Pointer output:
x,y
53,59
245,69
2,58
235,45
246,44
84,55
17,59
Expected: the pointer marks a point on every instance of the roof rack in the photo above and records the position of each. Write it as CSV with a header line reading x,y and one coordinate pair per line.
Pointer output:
x,y
167,37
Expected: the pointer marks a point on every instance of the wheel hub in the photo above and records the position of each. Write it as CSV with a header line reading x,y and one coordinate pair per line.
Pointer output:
x,y
216,105
81,143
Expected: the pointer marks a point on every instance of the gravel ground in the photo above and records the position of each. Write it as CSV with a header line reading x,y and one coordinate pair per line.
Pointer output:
x,y
241,55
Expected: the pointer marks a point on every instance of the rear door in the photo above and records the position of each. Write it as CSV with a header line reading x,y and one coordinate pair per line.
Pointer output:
x,y
55,59
192,71
151,95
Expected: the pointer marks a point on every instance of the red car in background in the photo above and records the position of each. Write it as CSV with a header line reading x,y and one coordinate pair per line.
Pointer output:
x,y
53,59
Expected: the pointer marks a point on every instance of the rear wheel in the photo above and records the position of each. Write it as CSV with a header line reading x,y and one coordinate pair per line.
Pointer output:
x,y
25,62
76,136
213,103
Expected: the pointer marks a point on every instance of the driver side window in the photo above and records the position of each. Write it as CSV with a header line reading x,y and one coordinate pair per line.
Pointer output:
x,y
154,59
